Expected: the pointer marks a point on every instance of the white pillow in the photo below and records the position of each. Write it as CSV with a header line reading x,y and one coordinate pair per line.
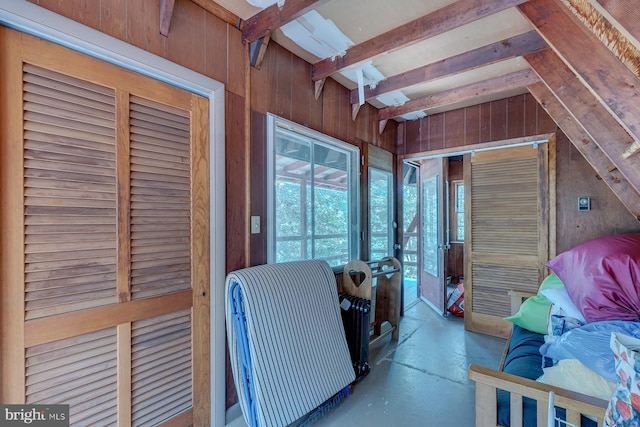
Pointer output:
x,y
560,298
574,375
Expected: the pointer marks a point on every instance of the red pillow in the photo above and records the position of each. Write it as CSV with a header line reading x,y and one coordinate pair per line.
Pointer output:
x,y
602,277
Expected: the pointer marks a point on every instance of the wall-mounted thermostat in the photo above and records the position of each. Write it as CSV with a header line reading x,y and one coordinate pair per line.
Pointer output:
x,y
584,203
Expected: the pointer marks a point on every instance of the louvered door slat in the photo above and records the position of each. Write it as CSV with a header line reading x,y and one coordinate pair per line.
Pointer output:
x,y
78,371
161,366
55,167
160,199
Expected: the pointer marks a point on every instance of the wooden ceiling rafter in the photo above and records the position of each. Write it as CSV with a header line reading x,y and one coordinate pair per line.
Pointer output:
x,y
220,12
601,71
438,22
581,140
587,110
274,17
504,49
492,86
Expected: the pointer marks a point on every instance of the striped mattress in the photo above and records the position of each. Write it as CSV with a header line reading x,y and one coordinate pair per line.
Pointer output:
x,y
286,340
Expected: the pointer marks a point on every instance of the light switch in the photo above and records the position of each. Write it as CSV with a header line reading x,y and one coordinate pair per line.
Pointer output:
x,y
255,224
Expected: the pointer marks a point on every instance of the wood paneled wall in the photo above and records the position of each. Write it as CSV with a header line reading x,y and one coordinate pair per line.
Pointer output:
x,y
508,118
576,178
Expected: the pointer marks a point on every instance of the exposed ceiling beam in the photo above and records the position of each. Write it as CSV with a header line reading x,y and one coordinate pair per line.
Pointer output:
x,y
274,17
608,78
166,12
216,10
626,12
489,54
442,20
588,111
495,85
581,140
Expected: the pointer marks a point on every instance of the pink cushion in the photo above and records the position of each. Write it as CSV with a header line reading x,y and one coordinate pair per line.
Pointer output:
x,y
602,277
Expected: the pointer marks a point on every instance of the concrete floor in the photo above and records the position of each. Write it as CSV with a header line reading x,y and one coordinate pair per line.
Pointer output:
x,y
420,380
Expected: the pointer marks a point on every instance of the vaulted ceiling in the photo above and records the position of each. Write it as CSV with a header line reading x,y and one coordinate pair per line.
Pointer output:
x,y
580,59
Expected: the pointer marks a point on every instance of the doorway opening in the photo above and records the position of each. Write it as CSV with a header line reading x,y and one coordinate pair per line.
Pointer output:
x,y
433,234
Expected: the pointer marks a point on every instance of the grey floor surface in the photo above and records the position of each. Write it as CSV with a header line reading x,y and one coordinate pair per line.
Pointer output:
x,y
419,380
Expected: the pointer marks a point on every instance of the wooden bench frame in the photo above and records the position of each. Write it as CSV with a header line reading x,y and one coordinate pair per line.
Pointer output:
x,y
489,381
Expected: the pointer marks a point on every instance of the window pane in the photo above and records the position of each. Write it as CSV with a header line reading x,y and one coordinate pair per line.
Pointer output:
x,y
459,198
380,187
313,196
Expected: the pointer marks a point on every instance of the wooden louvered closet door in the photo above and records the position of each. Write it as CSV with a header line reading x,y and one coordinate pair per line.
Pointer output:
x,y
506,235
104,216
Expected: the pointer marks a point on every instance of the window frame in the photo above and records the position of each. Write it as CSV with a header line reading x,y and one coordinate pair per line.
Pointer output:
x,y
353,152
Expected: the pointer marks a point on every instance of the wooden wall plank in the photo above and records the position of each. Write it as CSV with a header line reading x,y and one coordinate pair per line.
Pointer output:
x,y
284,99
78,10
236,54
113,18
330,108
530,115
216,44
435,140
545,122
485,122
259,82
345,132
301,91
186,46
498,120
143,27
472,125
258,251
455,122
236,161
515,116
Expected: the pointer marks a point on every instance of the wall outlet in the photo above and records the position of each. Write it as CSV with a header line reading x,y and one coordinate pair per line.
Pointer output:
x,y
255,224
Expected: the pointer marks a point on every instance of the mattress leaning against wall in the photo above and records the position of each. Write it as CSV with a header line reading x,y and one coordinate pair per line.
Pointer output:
x,y
286,340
